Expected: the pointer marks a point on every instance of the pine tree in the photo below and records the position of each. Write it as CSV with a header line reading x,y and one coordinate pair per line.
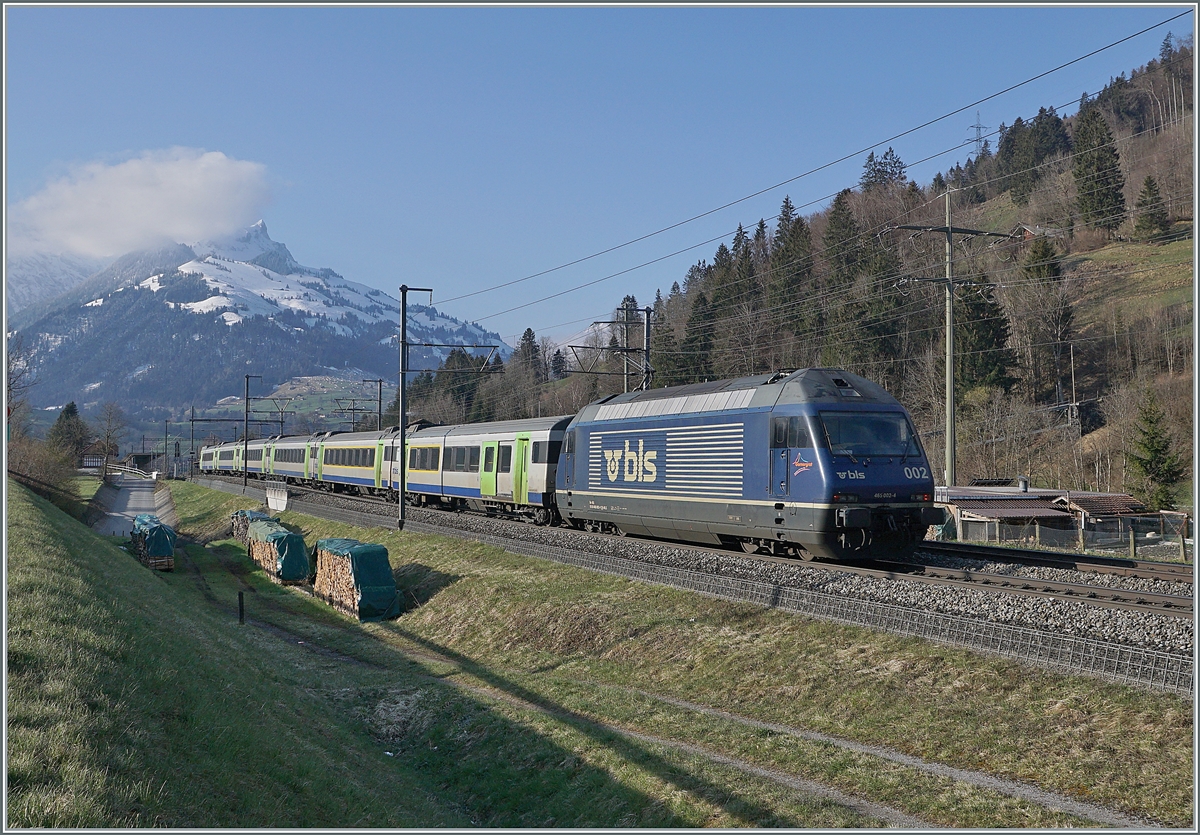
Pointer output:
x,y
558,365
791,267
1158,468
528,354
884,170
696,360
981,332
70,433
1055,314
1152,217
665,357
841,241
1097,170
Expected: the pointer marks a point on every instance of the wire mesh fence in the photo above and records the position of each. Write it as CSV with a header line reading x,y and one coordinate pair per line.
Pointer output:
x,y
1112,534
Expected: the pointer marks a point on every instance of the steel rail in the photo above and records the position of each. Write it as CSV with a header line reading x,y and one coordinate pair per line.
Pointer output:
x,y
1119,566
1171,672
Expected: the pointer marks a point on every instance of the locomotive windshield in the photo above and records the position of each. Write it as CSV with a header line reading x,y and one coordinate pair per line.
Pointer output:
x,y
869,434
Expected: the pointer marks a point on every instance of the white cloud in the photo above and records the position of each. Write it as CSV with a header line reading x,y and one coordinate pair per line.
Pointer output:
x,y
177,195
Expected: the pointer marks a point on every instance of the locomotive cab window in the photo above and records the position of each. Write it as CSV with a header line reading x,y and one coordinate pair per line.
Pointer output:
x,y
789,432
869,433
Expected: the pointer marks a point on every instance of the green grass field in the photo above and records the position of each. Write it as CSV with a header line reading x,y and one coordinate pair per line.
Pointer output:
x,y
516,693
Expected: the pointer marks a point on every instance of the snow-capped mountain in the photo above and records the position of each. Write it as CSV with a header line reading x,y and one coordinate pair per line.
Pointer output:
x,y
32,277
185,323
252,275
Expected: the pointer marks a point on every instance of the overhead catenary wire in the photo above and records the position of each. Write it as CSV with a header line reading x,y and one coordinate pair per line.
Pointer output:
x,y
822,167
726,234
863,234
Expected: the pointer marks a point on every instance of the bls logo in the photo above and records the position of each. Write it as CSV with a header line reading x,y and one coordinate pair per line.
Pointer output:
x,y
852,475
638,464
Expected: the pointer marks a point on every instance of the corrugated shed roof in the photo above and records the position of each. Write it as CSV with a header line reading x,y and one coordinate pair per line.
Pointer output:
x,y
1104,504
1006,508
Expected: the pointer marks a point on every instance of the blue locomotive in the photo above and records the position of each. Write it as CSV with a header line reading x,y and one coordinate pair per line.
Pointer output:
x,y
817,462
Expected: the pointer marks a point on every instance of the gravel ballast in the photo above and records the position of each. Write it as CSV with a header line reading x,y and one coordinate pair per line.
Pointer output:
x,y
1064,617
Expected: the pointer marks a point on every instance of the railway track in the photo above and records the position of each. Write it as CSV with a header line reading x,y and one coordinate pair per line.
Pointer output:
x,y
1080,591
1137,648
1117,566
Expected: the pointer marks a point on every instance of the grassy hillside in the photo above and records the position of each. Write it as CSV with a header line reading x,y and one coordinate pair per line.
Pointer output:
x,y
506,696
1138,278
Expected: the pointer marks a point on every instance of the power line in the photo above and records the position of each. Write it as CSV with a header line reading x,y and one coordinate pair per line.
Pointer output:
x,y
837,161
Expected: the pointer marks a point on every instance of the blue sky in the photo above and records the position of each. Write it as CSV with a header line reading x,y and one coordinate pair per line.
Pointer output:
x,y
462,148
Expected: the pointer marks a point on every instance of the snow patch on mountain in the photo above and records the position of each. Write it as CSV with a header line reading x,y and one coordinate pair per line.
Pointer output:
x,y
34,277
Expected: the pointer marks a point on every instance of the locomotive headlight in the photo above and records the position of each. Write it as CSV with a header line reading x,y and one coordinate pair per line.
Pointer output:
x,y
840,498
921,497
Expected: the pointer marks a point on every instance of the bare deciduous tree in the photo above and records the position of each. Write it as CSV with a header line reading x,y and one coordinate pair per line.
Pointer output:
x,y
112,427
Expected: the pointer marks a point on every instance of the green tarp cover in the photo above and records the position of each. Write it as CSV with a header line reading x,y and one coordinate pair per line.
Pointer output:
x,y
251,515
291,561
160,539
337,545
377,597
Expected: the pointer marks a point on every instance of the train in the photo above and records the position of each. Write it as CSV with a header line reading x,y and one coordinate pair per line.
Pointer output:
x,y
813,463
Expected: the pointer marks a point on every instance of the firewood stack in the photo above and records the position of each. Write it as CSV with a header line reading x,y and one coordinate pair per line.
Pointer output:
x,y
280,552
356,578
153,542
241,524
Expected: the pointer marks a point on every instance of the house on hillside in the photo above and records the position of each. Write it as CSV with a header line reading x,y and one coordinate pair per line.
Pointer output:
x,y
1027,232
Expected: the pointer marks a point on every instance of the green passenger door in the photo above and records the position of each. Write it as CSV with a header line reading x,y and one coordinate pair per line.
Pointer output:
x,y
487,469
521,470
379,474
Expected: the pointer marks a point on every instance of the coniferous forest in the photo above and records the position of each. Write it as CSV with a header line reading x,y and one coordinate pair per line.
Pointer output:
x,y
1068,321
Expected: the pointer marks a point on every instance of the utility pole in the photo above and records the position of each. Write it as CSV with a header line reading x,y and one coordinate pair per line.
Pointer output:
x,y
400,404
246,435
626,351
379,405
951,446
647,369
624,322
951,231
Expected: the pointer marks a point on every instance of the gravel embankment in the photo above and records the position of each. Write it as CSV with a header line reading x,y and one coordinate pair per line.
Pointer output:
x,y
1158,632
